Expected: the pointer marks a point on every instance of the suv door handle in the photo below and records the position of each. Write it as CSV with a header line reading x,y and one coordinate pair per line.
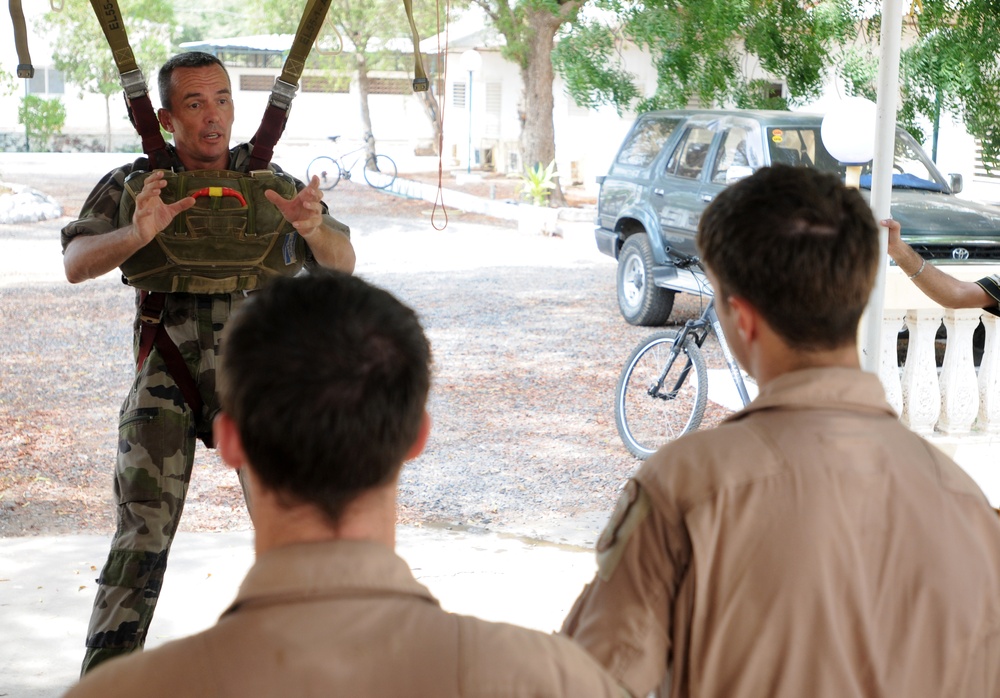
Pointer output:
x,y
657,192
707,197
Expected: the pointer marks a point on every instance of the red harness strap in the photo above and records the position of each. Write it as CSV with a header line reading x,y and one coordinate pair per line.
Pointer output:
x,y
151,331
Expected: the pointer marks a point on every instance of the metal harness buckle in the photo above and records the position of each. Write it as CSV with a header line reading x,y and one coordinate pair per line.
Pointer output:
x,y
134,84
282,94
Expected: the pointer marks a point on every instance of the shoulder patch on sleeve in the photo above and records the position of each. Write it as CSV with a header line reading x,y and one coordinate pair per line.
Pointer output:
x,y
632,507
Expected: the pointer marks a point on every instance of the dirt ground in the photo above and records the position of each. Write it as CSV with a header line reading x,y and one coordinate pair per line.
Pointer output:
x,y
527,341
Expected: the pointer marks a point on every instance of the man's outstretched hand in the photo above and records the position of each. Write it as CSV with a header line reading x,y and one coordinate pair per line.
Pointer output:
x,y
304,211
152,214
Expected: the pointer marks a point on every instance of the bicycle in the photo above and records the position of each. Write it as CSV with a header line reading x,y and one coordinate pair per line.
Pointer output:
x,y
659,398
380,170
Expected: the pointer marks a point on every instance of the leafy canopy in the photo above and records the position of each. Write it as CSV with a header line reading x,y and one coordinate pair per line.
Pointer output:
x,y
81,51
702,49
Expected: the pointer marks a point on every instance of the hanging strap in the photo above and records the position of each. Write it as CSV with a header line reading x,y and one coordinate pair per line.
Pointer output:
x,y
286,84
420,81
24,67
152,332
140,108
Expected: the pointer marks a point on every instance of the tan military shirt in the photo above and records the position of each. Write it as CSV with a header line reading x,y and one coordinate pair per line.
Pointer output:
x,y
348,619
809,546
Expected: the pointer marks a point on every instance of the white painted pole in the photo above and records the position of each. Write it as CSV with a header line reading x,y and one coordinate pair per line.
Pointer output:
x,y
885,137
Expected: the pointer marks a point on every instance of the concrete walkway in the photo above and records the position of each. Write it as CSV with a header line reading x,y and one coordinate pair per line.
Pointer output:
x,y
47,589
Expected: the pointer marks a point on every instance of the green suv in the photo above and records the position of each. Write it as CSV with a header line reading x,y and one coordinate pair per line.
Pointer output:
x,y
673,163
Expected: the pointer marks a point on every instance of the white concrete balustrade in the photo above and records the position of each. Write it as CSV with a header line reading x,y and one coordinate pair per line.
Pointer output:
x,y
956,406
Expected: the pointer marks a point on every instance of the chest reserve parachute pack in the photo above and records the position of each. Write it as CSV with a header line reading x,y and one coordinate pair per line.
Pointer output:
x,y
233,239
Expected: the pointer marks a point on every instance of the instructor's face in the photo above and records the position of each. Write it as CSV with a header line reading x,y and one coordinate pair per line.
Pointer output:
x,y
201,116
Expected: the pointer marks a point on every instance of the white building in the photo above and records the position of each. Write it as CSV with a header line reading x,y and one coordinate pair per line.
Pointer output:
x,y
480,108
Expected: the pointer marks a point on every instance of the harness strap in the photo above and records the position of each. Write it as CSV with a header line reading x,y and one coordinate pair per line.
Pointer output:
x,y
24,67
152,332
272,125
140,108
420,81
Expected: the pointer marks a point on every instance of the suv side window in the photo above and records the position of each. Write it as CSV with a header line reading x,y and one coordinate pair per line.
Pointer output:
x,y
646,141
733,153
688,159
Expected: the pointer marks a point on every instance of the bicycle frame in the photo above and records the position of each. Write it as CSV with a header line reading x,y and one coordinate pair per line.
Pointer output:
x,y
699,329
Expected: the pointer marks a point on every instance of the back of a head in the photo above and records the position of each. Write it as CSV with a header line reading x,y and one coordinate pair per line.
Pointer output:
x,y
798,245
326,378
186,59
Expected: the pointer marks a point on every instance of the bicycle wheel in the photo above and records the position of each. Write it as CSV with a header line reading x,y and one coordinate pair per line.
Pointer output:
x,y
327,169
380,171
656,402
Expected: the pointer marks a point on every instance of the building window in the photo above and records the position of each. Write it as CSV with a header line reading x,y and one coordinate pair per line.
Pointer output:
x,y
256,83
389,86
458,95
338,84
47,81
979,170
494,103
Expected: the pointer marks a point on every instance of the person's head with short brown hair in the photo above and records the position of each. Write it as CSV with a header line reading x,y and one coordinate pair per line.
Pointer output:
x,y
325,378
800,247
186,59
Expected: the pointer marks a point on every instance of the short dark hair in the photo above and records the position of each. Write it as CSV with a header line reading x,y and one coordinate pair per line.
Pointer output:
x,y
326,378
800,246
187,59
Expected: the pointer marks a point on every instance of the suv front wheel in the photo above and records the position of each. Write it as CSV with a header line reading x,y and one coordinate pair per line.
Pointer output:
x,y
640,301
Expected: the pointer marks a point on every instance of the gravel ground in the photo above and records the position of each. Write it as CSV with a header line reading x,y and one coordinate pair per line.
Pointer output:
x,y
527,343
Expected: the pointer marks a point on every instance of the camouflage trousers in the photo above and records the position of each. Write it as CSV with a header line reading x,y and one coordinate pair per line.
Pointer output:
x,y
157,435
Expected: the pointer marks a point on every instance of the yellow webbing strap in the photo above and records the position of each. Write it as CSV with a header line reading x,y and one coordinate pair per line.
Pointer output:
x,y
109,16
420,81
24,67
272,125
305,35
140,108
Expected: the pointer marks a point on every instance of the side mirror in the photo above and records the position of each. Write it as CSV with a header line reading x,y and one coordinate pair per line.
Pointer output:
x,y
600,179
738,172
955,182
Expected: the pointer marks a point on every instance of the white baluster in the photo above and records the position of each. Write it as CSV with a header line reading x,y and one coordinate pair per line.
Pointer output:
x,y
959,391
989,379
888,369
921,394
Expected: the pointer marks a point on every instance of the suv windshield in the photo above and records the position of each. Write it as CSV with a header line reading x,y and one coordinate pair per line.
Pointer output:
x,y
646,141
804,146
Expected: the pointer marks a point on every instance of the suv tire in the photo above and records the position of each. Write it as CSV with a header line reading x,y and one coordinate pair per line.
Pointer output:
x,y
639,300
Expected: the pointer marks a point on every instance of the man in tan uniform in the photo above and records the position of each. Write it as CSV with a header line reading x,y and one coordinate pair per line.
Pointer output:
x,y
323,385
810,545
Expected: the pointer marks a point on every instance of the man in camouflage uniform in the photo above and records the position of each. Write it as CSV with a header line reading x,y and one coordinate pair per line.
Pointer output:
x,y
157,428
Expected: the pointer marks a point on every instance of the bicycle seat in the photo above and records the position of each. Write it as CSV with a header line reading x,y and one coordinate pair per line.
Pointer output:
x,y
333,138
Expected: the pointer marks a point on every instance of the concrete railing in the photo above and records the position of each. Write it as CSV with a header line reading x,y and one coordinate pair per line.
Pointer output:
x,y
958,398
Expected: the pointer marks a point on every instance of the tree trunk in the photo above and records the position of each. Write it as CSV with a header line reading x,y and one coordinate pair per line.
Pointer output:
x,y
430,104
538,144
107,123
366,117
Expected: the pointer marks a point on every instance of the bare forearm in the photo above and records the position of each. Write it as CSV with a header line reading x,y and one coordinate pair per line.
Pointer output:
x,y
940,287
332,249
91,256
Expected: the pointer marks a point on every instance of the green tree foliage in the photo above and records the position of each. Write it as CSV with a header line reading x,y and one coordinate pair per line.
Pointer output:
x,y
81,51
7,84
357,38
951,68
703,50
42,119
